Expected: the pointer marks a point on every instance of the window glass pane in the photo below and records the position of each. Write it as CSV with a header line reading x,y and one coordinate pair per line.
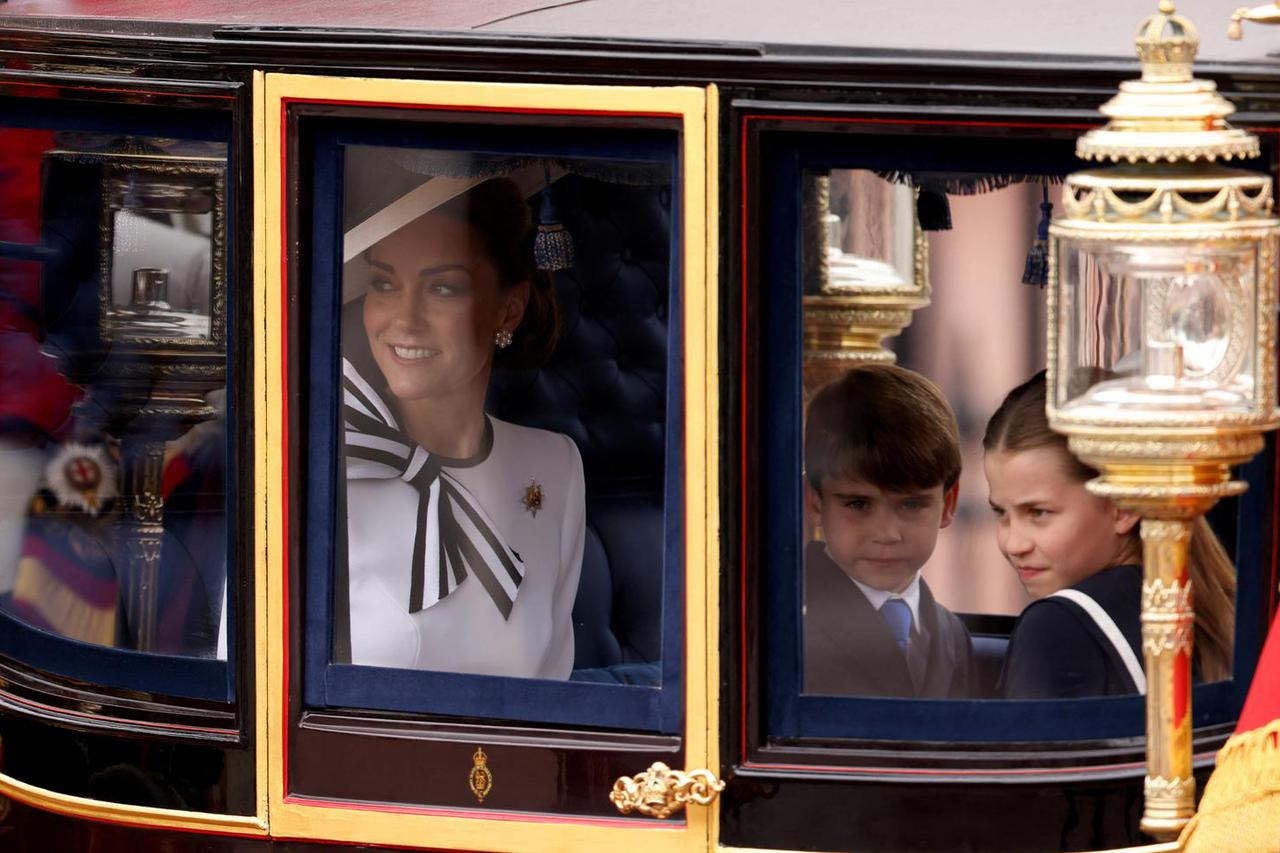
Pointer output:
x,y
113,397
509,410
921,571
881,456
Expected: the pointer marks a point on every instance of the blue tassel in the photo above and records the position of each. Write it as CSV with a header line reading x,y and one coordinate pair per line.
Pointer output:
x,y
553,247
1037,268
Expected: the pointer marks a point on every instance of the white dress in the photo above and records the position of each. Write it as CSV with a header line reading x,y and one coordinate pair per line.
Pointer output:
x,y
465,631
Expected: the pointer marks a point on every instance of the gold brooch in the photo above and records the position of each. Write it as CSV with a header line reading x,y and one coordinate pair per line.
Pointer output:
x,y
480,779
533,498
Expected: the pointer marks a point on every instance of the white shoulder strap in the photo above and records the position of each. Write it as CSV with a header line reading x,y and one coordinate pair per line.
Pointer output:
x,y
1111,632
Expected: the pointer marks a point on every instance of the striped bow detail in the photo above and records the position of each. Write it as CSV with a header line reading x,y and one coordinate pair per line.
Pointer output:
x,y
455,536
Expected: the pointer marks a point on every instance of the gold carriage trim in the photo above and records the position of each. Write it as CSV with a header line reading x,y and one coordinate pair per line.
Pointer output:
x,y
1158,786
661,792
480,779
1240,810
1171,598
1235,196
1162,637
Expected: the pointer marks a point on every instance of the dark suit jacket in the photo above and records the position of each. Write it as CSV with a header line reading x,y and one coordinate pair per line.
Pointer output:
x,y
1057,650
849,650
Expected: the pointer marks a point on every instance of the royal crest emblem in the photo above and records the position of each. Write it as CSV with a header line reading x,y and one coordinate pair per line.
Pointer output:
x,y
82,476
480,779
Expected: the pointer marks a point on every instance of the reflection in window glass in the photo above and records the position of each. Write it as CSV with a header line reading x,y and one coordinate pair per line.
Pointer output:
x,y
982,334
112,405
504,358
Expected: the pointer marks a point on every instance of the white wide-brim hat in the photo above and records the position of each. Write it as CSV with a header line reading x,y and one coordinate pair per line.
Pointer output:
x,y
399,185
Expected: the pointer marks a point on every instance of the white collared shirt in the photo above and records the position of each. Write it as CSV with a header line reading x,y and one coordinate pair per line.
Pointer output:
x,y
877,597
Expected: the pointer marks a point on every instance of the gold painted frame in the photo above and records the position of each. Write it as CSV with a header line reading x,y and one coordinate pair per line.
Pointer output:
x,y
175,168
697,111
816,206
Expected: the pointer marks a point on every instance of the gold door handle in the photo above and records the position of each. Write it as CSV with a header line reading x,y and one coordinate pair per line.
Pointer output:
x,y
661,792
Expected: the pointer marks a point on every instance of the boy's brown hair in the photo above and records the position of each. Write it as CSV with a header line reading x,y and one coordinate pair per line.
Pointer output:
x,y
885,425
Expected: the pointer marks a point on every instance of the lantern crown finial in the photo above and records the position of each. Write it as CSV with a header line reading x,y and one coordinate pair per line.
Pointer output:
x,y
1168,115
1167,44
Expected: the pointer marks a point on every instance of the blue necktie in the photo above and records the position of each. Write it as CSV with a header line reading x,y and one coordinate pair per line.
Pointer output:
x,y
897,614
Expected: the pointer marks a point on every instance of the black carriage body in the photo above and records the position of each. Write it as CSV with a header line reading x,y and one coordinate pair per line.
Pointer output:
x,y
791,85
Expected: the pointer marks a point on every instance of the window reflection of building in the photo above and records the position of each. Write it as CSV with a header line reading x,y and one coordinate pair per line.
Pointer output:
x,y
982,335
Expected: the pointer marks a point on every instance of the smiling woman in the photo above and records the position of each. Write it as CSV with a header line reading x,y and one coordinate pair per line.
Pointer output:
x,y
452,565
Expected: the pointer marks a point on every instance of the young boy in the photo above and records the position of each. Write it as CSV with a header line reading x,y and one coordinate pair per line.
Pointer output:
x,y
882,465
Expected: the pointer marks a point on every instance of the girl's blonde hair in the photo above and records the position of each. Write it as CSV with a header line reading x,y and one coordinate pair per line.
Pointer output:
x,y
1020,424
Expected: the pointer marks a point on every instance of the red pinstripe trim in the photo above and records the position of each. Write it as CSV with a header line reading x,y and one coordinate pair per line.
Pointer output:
x,y
939,122
742,440
285,444
1270,591
513,817
984,772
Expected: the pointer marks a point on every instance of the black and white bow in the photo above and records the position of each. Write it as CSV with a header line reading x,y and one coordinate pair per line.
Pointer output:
x,y
455,536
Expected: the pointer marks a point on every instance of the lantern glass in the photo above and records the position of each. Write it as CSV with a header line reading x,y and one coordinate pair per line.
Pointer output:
x,y
1163,326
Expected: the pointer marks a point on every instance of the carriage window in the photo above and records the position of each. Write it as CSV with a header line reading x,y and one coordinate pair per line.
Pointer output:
x,y
113,527
944,540
503,506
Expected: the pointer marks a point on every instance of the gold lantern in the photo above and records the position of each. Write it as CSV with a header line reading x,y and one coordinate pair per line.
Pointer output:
x,y
854,302
1162,346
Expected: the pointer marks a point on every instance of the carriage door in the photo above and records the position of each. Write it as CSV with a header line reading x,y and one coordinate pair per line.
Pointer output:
x,y
486,434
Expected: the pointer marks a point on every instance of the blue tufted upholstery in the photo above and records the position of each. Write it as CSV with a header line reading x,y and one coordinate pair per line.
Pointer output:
x,y
605,387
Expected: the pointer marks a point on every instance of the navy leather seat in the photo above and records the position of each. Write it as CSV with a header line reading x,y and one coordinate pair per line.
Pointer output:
x,y
988,654
990,634
605,387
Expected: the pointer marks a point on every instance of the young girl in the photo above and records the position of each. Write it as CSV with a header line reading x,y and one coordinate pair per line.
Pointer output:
x,y
1080,558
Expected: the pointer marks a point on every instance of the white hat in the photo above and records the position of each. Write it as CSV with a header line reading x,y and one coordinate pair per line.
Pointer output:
x,y
420,180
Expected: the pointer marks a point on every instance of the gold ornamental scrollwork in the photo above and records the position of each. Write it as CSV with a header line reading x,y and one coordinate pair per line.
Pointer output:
x,y
846,315
661,792
1160,788
1165,531
1172,492
1170,598
1100,199
1163,637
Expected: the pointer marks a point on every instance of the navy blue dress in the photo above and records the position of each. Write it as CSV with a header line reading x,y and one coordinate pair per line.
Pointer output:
x,y
1057,651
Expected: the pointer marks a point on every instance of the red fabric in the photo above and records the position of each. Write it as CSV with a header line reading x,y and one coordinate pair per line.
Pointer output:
x,y
76,559
1263,704
176,471
1181,687
31,388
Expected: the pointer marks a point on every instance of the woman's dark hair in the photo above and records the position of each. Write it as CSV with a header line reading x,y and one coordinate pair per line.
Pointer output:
x,y
497,211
